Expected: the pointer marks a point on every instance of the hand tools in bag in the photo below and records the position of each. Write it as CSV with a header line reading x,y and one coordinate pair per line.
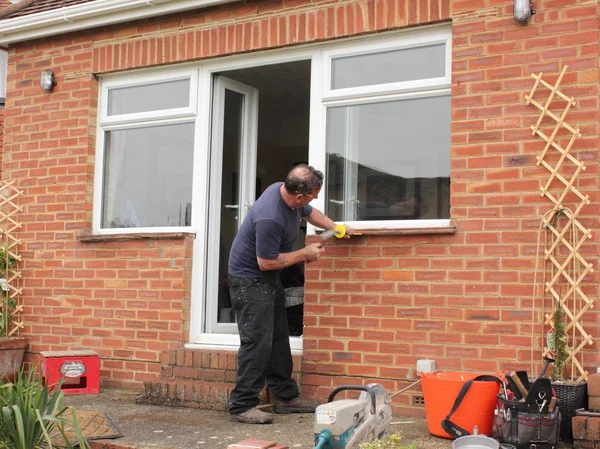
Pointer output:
x,y
512,386
517,381
547,362
540,395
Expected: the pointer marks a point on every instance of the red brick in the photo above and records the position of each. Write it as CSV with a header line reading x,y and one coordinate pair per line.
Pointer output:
x,y
253,444
579,424
594,403
593,384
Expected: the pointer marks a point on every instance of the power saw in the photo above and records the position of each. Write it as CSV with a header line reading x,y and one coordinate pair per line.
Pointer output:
x,y
347,423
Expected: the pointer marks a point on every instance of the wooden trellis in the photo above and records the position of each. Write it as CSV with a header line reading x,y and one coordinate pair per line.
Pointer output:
x,y
10,278
568,265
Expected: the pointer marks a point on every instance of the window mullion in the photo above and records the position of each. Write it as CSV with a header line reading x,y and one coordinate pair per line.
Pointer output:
x,y
351,165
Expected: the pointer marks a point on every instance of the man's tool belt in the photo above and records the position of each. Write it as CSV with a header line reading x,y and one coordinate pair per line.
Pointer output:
x,y
525,426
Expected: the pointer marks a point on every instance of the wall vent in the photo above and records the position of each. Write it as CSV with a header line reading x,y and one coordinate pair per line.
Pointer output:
x,y
418,401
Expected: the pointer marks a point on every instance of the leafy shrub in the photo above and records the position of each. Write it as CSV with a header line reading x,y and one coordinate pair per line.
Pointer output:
x,y
392,441
33,416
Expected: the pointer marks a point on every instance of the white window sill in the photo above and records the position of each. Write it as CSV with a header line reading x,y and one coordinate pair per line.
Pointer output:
x,y
231,342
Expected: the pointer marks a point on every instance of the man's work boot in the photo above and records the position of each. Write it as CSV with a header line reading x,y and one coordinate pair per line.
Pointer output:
x,y
252,416
296,405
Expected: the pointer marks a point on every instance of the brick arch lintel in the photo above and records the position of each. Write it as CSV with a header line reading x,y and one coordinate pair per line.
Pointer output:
x,y
284,27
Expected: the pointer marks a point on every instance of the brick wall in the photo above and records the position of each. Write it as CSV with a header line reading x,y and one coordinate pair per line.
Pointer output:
x,y
378,303
254,26
375,304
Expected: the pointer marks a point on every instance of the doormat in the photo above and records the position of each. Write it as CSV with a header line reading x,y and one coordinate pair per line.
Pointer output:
x,y
94,425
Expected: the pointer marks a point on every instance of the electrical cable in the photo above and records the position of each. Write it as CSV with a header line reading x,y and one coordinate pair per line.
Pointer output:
x,y
406,388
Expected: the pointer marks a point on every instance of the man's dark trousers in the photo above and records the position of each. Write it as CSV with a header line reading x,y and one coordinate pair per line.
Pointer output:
x,y
264,354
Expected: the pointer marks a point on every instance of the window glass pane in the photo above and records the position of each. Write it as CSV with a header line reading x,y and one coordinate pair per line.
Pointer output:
x,y
149,97
389,67
389,161
148,177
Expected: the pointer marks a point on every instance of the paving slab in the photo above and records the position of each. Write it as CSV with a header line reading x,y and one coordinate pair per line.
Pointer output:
x,y
162,427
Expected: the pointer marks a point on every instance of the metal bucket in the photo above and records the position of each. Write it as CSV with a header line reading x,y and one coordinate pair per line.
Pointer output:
x,y
475,441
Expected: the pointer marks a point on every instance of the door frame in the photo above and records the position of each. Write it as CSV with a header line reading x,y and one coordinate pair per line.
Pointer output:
x,y
200,336
246,187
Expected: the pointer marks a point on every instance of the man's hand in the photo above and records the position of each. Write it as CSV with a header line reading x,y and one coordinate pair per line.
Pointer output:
x,y
349,231
314,251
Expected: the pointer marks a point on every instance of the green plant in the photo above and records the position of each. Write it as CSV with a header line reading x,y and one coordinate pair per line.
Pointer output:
x,y
559,344
8,303
33,417
392,441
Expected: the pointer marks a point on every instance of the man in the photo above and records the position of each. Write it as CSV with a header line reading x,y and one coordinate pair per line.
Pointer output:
x,y
263,246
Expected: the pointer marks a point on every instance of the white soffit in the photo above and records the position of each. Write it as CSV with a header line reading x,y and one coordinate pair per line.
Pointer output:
x,y
91,15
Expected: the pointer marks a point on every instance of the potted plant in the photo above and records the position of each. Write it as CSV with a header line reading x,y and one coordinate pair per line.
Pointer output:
x,y
571,394
12,346
33,416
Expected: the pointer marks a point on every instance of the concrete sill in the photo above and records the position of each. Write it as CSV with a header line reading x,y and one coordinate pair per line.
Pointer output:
x,y
408,231
126,237
404,231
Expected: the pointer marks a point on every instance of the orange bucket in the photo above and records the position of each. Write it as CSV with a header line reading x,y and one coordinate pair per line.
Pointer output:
x,y
440,390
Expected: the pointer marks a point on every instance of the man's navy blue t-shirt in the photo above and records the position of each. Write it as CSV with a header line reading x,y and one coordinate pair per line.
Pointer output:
x,y
270,228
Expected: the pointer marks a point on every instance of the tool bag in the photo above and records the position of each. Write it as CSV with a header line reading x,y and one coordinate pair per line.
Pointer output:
x,y
525,426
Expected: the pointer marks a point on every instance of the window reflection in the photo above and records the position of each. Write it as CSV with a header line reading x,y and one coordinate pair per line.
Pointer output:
x,y
389,161
393,66
148,177
149,97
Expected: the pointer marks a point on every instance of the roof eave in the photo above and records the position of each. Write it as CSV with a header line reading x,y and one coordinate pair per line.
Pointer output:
x,y
91,15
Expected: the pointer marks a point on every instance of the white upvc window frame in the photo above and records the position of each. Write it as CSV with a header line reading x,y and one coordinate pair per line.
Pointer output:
x,y
134,121
415,39
3,73
431,87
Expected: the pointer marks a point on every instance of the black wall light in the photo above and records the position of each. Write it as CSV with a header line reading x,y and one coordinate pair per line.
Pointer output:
x,y
523,10
47,81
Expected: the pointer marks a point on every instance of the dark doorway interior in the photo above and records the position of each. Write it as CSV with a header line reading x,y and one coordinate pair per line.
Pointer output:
x,y
283,125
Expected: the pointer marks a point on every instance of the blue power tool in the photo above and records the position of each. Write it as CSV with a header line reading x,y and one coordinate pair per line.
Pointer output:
x,y
347,423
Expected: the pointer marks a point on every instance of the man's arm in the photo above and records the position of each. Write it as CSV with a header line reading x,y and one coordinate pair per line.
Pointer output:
x,y
320,220
283,260
268,238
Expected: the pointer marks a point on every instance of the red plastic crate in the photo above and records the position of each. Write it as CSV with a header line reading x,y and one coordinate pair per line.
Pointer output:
x,y
80,371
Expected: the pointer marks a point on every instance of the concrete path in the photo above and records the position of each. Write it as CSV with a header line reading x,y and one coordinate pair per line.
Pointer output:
x,y
149,426
157,427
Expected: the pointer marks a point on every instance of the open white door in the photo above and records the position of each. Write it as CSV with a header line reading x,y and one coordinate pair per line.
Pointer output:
x,y
232,189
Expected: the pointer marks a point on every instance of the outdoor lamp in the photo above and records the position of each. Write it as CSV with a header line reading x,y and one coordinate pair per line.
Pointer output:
x,y
523,10
47,80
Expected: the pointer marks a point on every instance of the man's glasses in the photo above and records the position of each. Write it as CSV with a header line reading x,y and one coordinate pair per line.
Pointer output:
x,y
308,195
